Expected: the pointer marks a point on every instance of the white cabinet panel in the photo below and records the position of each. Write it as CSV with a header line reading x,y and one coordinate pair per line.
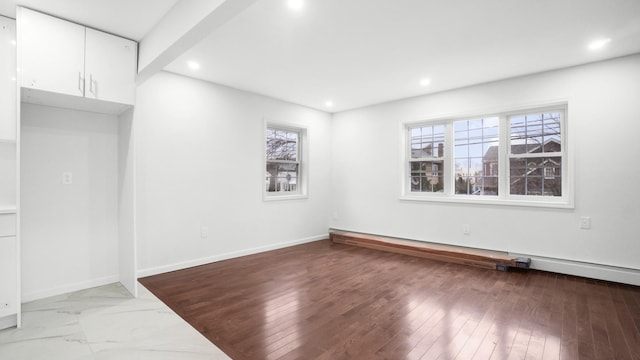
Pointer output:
x,y
8,276
51,53
8,79
7,225
110,67
8,172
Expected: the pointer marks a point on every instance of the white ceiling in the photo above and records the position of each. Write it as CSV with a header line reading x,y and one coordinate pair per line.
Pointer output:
x,y
362,52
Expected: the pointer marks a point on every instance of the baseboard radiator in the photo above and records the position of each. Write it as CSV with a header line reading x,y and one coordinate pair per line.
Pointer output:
x,y
455,254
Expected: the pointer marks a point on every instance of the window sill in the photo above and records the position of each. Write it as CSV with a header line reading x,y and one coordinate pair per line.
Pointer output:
x,y
542,203
267,197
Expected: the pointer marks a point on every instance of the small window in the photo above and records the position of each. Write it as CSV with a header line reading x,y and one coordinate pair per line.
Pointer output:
x,y
283,165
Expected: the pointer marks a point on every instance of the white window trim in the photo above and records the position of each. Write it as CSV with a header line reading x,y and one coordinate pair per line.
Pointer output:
x,y
303,170
566,201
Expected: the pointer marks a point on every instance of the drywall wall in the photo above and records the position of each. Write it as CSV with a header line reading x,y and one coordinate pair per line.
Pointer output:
x,y
69,232
604,122
199,162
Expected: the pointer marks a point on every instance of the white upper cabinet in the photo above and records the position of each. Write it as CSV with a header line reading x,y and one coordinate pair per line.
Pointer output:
x,y
66,58
110,67
8,102
51,53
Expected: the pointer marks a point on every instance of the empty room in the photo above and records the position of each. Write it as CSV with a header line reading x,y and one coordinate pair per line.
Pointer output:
x,y
319,179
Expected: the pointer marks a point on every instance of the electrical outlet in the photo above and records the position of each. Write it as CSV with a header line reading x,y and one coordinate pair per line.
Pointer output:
x,y
204,232
67,178
585,222
466,229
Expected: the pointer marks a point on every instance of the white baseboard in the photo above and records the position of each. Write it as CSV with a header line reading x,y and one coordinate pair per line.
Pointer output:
x,y
8,321
67,288
225,256
584,269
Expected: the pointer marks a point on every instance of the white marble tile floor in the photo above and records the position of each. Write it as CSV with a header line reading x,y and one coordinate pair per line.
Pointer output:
x,y
105,322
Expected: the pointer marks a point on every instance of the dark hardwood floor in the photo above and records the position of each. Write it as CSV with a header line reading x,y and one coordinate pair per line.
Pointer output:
x,y
331,301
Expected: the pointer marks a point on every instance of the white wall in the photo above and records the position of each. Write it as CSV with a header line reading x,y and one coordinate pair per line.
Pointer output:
x,y
604,123
69,232
199,162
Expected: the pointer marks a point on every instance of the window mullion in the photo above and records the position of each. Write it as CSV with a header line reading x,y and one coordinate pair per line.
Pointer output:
x,y
536,155
503,158
449,161
284,161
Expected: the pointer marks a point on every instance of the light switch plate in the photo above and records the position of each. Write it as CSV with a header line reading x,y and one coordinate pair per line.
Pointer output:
x,y
585,222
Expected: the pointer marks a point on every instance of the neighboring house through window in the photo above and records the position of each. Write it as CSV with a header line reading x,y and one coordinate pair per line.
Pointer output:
x,y
536,154
427,157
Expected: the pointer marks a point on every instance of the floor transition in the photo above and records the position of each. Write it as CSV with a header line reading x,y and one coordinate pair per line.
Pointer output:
x,y
104,323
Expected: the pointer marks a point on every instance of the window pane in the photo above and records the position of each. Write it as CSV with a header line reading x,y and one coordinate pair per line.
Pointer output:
x,y
535,133
427,176
282,145
282,177
427,141
536,176
462,150
476,156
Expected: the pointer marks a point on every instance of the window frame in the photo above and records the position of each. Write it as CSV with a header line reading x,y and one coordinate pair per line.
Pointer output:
x,y
566,200
301,191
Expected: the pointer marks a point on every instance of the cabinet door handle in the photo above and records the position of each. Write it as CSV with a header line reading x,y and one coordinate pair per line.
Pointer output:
x,y
80,83
92,88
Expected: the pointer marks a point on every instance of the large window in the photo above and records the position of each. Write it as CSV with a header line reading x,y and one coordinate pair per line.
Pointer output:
x,y
284,161
512,157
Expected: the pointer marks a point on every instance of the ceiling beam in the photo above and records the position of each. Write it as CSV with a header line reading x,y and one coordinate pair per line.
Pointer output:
x,y
186,24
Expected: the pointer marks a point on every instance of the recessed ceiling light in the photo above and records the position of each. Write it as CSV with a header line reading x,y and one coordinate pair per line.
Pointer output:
x,y
599,44
295,4
328,104
425,82
193,65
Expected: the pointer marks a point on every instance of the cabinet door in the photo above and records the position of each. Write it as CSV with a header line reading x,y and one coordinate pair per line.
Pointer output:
x,y
51,53
8,79
110,67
